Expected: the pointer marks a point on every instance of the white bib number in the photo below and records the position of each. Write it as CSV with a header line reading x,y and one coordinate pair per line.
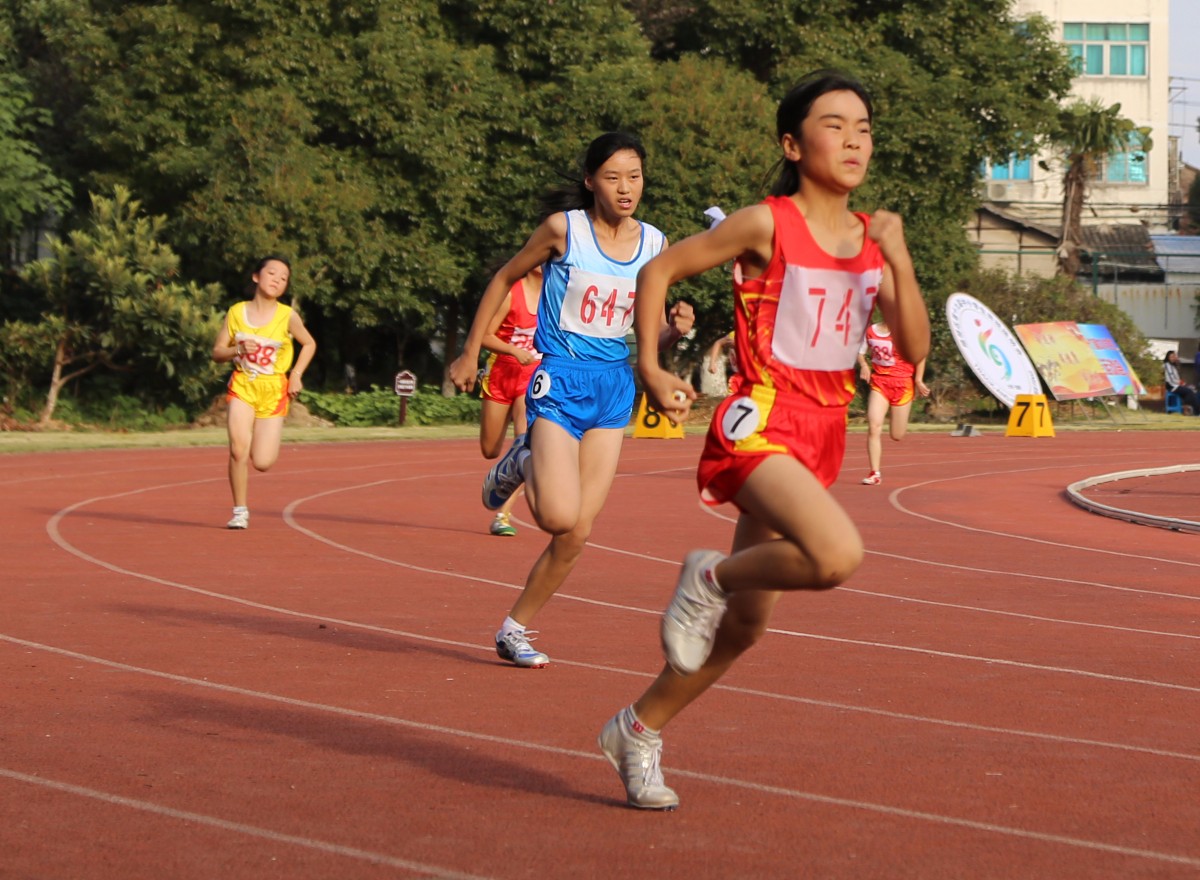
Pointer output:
x,y
741,419
823,316
539,385
597,305
261,362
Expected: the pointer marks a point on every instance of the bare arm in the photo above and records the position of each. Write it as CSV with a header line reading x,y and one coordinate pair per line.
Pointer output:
x,y
900,295
919,380
494,343
224,349
741,235
547,241
308,348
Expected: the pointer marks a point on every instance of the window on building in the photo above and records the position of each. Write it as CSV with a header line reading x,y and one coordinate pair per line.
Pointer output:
x,y
1108,49
1017,168
1128,166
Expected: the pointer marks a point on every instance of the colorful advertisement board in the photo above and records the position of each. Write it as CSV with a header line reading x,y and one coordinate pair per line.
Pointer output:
x,y
991,350
1065,360
1124,380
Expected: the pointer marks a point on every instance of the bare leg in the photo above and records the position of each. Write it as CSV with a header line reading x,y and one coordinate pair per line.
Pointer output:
x,y
792,535
582,475
877,407
519,428
898,421
493,422
240,424
264,448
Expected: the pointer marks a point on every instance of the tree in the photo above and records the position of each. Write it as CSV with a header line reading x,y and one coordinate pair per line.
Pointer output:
x,y
114,301
1088,133
30,192
955,83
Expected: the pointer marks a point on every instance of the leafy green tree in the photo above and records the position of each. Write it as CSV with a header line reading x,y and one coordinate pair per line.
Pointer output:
x,y
1088,133
955,83
115,301
707,131
30,191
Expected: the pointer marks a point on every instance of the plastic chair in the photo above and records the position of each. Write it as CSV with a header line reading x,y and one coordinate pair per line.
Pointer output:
x,y
1173,403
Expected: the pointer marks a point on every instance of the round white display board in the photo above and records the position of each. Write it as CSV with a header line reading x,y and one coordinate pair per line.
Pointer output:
x,y
991,350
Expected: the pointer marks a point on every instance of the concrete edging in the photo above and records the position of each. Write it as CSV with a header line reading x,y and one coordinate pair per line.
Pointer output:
x,y
1133,516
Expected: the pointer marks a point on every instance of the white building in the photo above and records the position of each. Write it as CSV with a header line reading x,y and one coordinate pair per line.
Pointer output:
x,y
1120,47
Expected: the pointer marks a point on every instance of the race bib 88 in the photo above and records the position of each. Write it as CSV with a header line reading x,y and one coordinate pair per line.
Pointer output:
x,y
260,362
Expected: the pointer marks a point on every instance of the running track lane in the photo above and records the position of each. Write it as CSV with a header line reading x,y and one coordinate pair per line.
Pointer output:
x,y
1007,688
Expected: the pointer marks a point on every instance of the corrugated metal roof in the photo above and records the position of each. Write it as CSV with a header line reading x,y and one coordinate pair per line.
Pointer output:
x,y
1121,249
1178,254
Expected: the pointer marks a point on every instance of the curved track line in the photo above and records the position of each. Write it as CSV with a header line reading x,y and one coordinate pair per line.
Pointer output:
x,y
781,791
1010,573
56,536
1020,616
337,849
894,499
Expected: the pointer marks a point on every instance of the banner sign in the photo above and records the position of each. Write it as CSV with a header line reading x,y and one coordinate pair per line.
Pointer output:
x,y
1065,360
1122,377
991,350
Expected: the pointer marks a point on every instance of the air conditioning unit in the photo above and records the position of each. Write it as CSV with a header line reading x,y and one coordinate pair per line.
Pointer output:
x,y
999,192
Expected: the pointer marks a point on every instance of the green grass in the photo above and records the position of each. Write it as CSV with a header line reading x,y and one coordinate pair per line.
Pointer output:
x,y
79,439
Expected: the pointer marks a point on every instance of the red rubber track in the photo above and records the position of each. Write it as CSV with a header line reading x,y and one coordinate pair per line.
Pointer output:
x,y
1008,687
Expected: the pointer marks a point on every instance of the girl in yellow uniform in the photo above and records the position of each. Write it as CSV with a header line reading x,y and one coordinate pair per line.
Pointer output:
x,y
258,337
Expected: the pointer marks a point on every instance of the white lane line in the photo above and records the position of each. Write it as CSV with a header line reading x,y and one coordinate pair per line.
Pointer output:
x,y
778,790
423,637
1019,615
288,515
1011,573
894,498
337,849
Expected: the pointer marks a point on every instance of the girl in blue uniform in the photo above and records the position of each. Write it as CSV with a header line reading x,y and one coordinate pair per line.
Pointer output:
x,y
580,400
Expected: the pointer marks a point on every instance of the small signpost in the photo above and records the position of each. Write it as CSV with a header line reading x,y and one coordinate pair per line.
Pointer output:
x,y
406,386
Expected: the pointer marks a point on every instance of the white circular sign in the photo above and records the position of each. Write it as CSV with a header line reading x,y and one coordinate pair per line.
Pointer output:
x,y
991,350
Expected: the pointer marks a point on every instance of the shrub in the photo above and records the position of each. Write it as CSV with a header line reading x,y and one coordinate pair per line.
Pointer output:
x,y
381,407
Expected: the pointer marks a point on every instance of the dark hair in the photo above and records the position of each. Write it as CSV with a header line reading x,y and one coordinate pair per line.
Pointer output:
x,y
574,194
251,287
794,109
1167,356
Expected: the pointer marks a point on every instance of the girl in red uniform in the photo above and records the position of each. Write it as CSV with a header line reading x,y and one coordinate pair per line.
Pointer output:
x,y
894,383
509,338
807,274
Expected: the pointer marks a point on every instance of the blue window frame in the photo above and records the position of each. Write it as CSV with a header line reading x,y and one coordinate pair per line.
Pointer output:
x,y
1108,48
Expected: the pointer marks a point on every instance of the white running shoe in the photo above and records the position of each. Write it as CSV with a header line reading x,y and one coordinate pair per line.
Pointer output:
x,y
690,622
241,520
515,648
872,479
507,474
636,754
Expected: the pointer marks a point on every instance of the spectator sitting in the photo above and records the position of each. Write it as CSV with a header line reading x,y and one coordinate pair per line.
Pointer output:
x,y
1174,384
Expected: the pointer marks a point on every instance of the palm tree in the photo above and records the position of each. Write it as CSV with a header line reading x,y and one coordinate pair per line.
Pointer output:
x,y
1089,132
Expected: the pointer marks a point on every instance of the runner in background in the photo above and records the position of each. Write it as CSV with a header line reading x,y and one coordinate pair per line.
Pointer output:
x,y
257,337
893,383
513,359
581,397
